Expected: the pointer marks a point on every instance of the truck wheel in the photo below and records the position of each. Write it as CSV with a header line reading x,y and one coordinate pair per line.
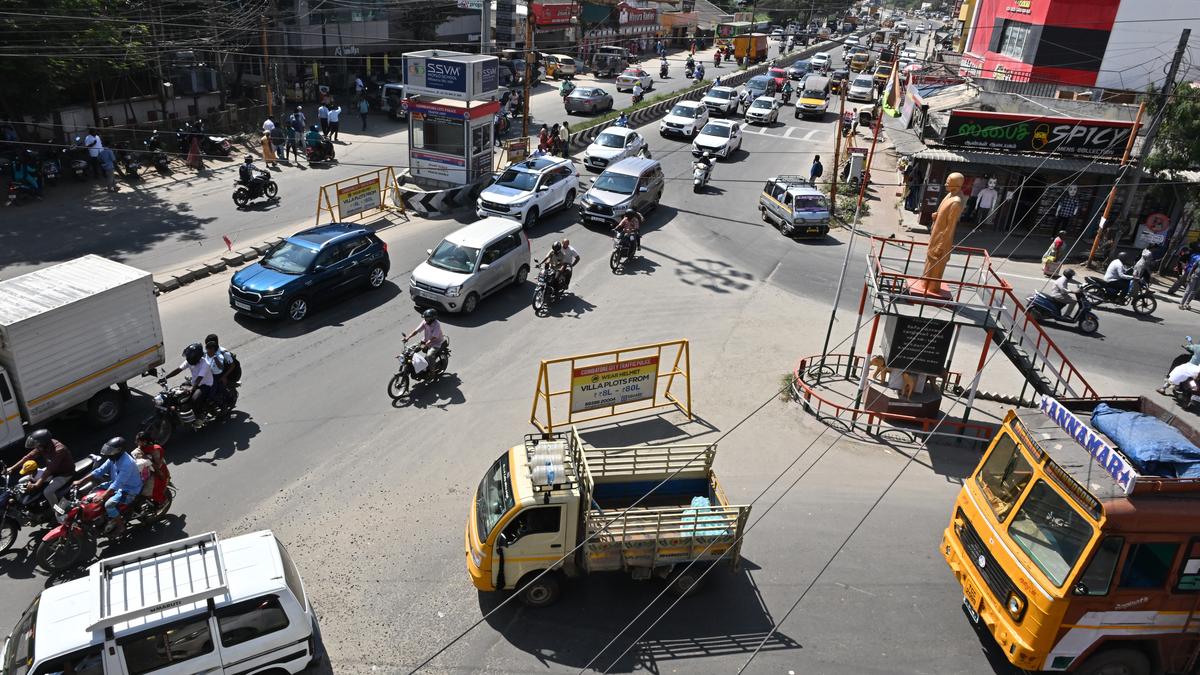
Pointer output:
x,y
540,592
104,408
1116,662
686,581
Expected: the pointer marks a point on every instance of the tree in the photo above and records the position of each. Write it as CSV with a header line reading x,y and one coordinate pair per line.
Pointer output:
x,y
1177,147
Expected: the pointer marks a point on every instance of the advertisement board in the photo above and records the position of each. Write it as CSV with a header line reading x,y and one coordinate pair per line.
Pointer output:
x,y
1013,132
608,384
554,14
357,198
438,166
451,75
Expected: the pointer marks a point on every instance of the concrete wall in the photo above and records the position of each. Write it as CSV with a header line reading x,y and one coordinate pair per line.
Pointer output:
x,y
1139,49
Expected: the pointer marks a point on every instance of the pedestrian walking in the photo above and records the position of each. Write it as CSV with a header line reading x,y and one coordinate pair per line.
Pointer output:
x,y
292,147
268,124
1051,259
552,146
268,151
1193,260
564,138
298,124
277,140
1193,285
323,119
94,145
543,138
334,113
108,165
363,108
358,86
815,171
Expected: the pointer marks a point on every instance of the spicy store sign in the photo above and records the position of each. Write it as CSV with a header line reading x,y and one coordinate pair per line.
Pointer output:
x,y
1014,132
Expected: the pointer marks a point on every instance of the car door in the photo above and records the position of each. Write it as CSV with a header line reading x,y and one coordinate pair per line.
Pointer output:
x,y
181,647
735,137
358,263
509,261
561,185
633,143
325,277
490,273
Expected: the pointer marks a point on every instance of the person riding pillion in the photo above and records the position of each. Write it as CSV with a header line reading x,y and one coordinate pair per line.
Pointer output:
x,y
52,456
556,262
118,473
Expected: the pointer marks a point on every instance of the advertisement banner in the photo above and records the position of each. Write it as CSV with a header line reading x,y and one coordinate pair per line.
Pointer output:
x,y
355,199
635,16
438,166
610,384
554,14
1013,132
435,77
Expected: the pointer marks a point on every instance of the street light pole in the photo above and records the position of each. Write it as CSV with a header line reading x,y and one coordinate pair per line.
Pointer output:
x,y
528,62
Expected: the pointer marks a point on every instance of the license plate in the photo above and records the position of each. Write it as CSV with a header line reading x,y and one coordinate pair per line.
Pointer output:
x,y
241,305
596,219
971,600
425,294
812,230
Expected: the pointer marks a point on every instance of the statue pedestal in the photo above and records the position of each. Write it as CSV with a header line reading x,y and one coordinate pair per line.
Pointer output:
x,y
924,289
925,404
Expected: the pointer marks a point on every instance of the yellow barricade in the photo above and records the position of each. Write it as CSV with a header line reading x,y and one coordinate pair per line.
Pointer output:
x,y
360,197
589,387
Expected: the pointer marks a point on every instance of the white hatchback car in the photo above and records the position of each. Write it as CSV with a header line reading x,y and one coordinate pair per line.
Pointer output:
x,y
612,145
471,263
763,110
720,137
530,189
821,61
686,119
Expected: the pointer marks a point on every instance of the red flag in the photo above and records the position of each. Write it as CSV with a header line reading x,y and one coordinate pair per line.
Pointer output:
x,y
228,243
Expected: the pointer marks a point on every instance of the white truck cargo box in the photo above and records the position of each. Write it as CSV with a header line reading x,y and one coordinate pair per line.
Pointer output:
x,y
74,329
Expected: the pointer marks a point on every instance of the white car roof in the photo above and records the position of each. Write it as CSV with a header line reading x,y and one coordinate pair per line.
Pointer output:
x,y
724,123
482,232
769,99
690,104
821,54
722,88
617,131
252,567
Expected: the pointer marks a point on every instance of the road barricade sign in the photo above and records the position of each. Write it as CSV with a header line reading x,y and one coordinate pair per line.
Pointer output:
x,y
586,387
361,197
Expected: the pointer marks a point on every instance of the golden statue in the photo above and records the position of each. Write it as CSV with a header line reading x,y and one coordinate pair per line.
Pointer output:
x,y
941,239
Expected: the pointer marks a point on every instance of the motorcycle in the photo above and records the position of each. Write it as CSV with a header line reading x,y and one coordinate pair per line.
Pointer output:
x,y
51,166
699,73
215,146
158,156
173,409
1098,293
22,507
622,121
319,152
637,98
717,60
1043,308
565,89
1187,393
415,365
82,525
662,72
130,165
624,248
243,193
78,156
689,71
19,193
547,291
700,174
785,97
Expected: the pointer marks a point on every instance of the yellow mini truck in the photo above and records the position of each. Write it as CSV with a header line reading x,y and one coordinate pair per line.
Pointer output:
x,y
553,508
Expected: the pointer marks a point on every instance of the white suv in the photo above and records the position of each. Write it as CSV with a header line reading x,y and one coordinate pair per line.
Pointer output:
x,y
722,100
530,189
686,119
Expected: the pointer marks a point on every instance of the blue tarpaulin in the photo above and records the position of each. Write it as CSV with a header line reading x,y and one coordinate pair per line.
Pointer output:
x,y
1154,447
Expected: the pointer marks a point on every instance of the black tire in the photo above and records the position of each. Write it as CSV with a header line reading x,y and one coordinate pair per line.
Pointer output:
x,y
63,553
1116,662
105,408
1095,295
470,303
539,301
1037,314
162,511
614,261
1089,324
241,197
398,386
541,591
160,428
297,308
570,200
531,217
8,534
644,153
522,275
1145,304
376,277
271,190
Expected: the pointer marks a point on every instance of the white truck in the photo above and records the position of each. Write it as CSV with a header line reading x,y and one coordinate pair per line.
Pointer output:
x,y
68,334
553,508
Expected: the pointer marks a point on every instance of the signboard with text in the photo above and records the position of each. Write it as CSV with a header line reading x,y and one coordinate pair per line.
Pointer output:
x,y
1013,132
628,15
917,345
451,75
609,384
358,198
554,14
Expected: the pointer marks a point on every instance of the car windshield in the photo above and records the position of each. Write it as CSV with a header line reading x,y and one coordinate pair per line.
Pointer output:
x,y
289,258
1050,531
813,93
811,203
684,111
864,81
777,72
632,73
610,141
517,180
452,257
494,497
18,656
761,103
1003,476
759,82
715,130
616,182
718,93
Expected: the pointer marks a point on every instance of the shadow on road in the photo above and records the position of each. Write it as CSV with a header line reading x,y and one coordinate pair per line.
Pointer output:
x,y
326,312
726,617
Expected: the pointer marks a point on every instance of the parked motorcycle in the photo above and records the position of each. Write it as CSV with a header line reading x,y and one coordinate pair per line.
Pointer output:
x,y
243,193
547,291
662,71
130,165
624,248
173,409
213,146
51,166
82,523
1043,308
22,507
415,365
78,157
700,174
1098,293
19,193
155,153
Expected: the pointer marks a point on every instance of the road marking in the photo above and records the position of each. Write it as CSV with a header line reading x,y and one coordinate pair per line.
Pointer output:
x,y
788,132
810,133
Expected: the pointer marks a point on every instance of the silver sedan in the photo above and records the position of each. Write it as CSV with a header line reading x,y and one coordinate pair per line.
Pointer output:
x,y
588,100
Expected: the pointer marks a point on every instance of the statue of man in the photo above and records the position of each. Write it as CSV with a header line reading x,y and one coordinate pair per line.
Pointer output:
x,y
941,238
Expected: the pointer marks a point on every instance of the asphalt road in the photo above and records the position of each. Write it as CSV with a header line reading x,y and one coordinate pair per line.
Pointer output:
x,y
371,498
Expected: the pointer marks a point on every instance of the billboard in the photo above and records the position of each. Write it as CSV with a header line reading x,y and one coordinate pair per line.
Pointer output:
x,y
609,384
1015,132
451,75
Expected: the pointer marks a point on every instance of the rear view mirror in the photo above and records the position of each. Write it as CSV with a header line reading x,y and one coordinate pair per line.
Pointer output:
x,y
483,266
428,251
643,189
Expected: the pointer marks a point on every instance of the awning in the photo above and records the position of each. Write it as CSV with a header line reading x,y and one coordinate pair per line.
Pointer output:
x,y
1024,161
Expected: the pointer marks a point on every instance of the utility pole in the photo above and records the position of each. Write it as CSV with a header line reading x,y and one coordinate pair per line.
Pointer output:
x,y
837,148
528,64
1112,193
485,26
1148,142
262,24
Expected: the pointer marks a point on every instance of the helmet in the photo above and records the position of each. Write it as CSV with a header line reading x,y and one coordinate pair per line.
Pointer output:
x,y
430,314
248,159
557,246
115,446
316,128
299,108
41,438
630,213
707,155
28,467
193,353
1123,257
1070,274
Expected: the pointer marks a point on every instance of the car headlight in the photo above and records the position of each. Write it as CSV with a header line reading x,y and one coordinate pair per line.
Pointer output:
x,y
159,399
521,202
273,294
476,558
412,281
453,291
587,200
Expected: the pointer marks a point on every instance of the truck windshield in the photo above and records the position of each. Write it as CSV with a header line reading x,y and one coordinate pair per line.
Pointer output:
x,y
18,649
1003,476
1051,532
494,497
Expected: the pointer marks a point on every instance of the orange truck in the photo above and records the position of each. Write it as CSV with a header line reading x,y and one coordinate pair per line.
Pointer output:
x,y
752,46
1078,549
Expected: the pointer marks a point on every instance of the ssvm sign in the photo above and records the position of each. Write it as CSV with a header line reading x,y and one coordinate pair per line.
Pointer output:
x,y
1013,132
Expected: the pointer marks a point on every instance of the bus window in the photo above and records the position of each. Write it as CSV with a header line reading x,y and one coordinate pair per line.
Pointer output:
x,y
1147,564
1004,475
1096,579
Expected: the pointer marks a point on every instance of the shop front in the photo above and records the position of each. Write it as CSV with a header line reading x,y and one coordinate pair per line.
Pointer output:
x,y
553,24
638,27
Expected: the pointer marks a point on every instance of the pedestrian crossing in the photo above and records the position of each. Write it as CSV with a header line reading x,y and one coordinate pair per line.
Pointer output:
x,y
807,134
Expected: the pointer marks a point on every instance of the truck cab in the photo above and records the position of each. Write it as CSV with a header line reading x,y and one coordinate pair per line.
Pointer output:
x,y
552,508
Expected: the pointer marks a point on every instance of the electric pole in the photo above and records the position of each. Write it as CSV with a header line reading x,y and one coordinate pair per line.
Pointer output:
x,y
528,64
262,24
1113,233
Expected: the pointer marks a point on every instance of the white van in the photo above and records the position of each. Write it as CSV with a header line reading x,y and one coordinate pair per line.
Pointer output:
x,y
471,263
196,605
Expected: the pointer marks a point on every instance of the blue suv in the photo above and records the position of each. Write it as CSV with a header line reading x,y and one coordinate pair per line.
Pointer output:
x,y
309,267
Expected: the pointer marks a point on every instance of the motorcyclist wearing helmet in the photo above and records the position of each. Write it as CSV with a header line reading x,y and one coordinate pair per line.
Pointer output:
x,y
52,456
631,224
250,176
1060,292
1117,276
201,374
565,89
225,369
120,474
622,120
432,337
556,262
